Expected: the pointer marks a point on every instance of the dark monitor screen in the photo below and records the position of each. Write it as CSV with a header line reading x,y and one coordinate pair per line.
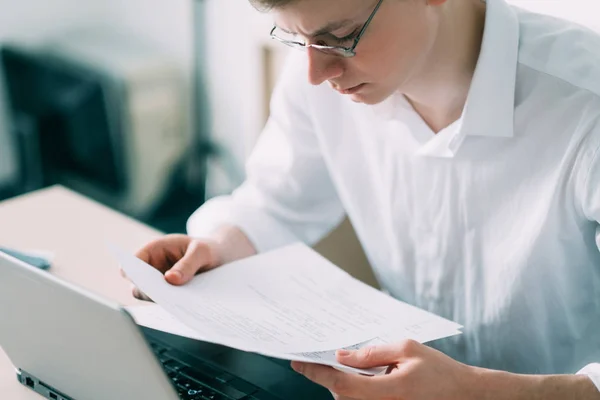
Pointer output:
x,y
65,111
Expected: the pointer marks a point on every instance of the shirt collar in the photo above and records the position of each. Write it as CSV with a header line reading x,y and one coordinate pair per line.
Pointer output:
x,y
489,110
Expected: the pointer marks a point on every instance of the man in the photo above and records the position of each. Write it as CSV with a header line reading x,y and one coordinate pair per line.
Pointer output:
x,y
461,138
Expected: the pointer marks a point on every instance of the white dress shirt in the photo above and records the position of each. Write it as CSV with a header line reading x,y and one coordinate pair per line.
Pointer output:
x,y
492,222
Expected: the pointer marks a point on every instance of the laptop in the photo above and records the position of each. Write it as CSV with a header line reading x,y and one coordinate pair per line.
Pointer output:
x,y
67,343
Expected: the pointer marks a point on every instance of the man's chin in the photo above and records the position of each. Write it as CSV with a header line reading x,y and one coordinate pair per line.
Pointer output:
x,y
369,99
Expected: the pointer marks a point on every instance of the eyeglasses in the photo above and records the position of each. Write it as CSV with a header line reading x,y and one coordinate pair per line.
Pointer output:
x,y
341,51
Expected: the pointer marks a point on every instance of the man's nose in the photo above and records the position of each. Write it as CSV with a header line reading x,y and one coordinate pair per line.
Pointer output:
x,y
322,67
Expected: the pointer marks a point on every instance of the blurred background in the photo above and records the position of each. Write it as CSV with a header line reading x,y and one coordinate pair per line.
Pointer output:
x,y
148,106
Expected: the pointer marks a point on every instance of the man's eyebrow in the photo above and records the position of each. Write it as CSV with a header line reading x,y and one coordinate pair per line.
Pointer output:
x,y
330,27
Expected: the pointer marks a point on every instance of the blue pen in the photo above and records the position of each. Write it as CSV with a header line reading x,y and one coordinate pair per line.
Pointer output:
x,y
36,261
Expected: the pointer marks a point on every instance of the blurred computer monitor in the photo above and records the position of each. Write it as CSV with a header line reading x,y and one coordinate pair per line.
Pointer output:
x,y
61,122
101,116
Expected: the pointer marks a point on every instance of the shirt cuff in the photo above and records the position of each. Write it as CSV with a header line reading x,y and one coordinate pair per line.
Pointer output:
x,y
263,231
593,372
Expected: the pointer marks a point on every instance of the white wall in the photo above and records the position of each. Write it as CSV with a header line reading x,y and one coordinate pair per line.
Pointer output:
x,y
166,23
237,33
584,12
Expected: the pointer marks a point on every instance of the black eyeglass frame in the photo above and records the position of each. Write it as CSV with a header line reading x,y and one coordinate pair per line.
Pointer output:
x,y
346,52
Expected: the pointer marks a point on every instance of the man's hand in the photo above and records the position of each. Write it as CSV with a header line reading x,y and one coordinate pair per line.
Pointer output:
x,y
181,257
418,372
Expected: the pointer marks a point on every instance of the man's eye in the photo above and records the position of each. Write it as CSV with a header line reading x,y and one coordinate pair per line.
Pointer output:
x,y
346,38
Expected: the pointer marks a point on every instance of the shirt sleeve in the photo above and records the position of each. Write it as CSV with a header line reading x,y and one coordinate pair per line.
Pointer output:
x,y
589,193
287,195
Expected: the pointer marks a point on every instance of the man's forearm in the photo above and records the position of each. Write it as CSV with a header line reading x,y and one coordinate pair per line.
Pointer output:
x,y
498,385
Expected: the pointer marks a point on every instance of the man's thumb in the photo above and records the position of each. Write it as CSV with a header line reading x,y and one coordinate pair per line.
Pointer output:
x,y
198,256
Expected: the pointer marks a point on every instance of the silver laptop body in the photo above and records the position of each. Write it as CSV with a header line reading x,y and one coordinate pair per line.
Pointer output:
x,y
67,343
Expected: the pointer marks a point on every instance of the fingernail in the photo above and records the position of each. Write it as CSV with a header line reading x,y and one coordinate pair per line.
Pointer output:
x,y
297,367
343,353
176,274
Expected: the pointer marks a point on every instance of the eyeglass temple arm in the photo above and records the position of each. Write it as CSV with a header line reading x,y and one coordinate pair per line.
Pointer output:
x,y
364,28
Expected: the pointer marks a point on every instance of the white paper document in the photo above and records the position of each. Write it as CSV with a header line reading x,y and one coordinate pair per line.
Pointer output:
x,y
289,303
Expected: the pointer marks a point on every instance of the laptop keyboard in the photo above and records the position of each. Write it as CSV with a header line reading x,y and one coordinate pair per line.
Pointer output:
x,y
201,381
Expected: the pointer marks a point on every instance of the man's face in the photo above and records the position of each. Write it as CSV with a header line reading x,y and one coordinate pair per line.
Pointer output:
x,y
394,47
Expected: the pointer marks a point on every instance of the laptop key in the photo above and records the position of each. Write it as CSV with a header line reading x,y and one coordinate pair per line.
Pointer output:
x,y
188,384
172,374
213,396
158,349
243,386
163,359
173,365
197,364
214,384
213,372
230,392
262,395
185,395
195,392
200,373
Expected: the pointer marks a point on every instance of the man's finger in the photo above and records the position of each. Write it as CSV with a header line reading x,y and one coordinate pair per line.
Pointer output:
x,y
343,384
377,356
156,248
197,257
163,252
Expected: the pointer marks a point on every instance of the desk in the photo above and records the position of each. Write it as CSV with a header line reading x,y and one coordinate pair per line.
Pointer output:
x,y
76,229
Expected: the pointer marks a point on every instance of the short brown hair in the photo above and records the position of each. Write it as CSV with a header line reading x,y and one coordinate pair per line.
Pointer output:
x,y
267,5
